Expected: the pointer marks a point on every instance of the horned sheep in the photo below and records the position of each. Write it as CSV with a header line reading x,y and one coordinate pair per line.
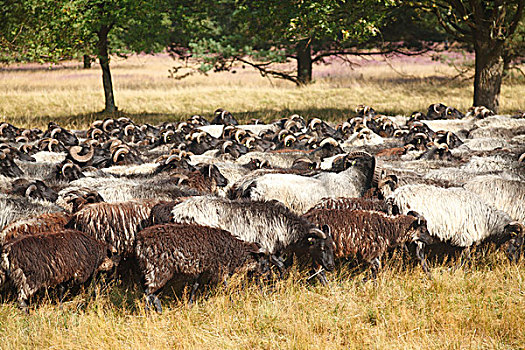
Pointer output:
x,y
455,216
367,235
271,225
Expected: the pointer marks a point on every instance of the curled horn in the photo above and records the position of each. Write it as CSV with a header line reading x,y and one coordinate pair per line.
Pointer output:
x,y
181,125
2,155
26,148
521,158
449,136
128,128
359,154
123,120
329,140
2,127
54,132
290,123
66,166
225,145
96,132
51,143
96,124
122,150
239,134
314,122
26,133
248,141
166,134
106,124
282,134
435,107
318,233
400,132
289,137
345,127
516,227
30,190
173,157
421,134
74,151
22,139
200,135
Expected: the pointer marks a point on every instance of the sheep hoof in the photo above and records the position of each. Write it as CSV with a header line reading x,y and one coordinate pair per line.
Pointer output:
x,y
22,306
152,299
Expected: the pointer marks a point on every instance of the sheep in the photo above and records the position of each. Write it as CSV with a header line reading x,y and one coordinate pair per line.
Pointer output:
x,y
271,225
455,216
161,212
503,194
14,208
300,193
203,254
115,223
352,204
48,222
47,260
367,235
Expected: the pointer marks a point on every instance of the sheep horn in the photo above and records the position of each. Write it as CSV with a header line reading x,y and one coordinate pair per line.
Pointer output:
x,y
181,125
2,155
106,124
22,139
289,137
181,178
2,127
176,157
314,122
442,146
329,140
123,120
318,233
435,107
54,132
521,158
96,132
238,134
30,190
421,134
51,143
378,173
200,135
359,154
225,145
119,151
75,154
96,124
66,166
128,129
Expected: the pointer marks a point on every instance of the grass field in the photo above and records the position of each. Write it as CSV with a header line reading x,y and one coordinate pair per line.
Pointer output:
x,y
480,307
32,95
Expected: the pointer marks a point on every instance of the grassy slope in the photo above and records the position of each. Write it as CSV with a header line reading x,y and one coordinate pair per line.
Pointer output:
x,y
479,308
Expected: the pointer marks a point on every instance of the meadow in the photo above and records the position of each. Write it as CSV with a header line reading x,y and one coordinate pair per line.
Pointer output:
x,y
475,307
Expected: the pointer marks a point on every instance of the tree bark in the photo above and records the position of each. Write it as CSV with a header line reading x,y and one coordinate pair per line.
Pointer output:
x,y
87,62
304,62
487,77
103,58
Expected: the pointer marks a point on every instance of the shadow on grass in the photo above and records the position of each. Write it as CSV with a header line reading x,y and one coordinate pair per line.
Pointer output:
x,y
83,121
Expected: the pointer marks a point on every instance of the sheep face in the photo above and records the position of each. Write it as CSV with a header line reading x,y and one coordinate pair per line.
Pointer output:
x,y
8,167
68,171
515,231
211,171
224,117
320,246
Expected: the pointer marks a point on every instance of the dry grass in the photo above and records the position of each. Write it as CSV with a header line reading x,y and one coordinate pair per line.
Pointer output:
x,y
31,96
482,307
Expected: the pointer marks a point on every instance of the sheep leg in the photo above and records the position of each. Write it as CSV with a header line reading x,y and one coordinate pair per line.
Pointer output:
x,y
152,299
375,265
420,253
61,290
193,291
279,264
22,305
463,258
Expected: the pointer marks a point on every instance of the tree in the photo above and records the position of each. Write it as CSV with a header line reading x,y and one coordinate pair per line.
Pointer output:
x,y
54,30
261,33
488,26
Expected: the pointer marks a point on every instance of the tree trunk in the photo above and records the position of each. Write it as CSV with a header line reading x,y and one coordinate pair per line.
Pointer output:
x,y
87,62
304,62
103,58
487,78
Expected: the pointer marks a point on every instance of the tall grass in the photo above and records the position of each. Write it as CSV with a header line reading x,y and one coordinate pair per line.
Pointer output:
x,y
480,307
31,96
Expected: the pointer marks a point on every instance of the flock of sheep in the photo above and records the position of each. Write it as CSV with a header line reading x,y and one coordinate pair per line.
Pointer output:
x,y
197,201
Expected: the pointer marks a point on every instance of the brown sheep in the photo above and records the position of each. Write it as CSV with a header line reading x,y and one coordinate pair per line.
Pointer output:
x,y
51,259
367,235
204,254
48,222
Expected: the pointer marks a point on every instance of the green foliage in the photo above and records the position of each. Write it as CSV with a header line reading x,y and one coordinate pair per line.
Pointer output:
x,y
222,32
53,30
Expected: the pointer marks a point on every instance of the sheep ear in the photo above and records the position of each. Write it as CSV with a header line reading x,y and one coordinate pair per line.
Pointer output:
x,y
326,230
